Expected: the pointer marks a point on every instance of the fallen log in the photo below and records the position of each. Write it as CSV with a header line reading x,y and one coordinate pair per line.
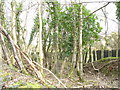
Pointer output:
x,y
19,62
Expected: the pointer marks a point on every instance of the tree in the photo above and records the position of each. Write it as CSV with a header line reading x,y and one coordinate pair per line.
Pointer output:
x,y
80,59
40,47
61,31
13,27
18,26
3,23
118,17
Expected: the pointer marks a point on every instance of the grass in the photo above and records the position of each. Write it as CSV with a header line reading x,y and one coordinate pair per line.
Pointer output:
x,y
107,58
22,84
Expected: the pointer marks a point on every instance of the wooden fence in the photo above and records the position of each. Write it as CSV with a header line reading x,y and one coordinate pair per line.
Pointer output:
x,y
99,54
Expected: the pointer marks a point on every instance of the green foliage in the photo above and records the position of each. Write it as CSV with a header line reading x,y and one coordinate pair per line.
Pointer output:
x,y
35,29
2,15
19,7
118,10
65,18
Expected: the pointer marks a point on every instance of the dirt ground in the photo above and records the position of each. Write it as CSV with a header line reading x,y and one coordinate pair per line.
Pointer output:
x,y
106,77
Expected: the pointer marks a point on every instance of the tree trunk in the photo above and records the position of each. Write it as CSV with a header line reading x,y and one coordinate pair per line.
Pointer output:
x,y
2,22
88,54
75,44
95,54
19,62
40,35
80,59
13,6
1,53
55,39
118,34
6,57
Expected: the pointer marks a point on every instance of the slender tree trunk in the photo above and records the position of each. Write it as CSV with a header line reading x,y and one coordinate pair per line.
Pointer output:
x,y
118,34
118,40
80,59
13,6
75,44
74,52
25,32
55,53
92,59
87,57
6,57
95,54
40,46
13,27
2,22
1,53
55,40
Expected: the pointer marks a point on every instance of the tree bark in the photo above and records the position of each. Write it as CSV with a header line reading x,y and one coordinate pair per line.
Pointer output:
x,y
75,44
40,35
55,39
13,6
80,63
118,34
2,22
6,57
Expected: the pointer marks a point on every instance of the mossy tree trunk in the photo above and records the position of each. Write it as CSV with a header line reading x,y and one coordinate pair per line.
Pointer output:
x,y
80,57
13,27
74,57
40,46
55,38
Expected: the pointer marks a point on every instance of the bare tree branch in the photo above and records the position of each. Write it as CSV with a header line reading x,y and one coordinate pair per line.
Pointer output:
x,y
96,10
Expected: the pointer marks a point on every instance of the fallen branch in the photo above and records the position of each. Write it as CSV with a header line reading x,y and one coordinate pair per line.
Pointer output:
x,y
103,65
19,62
50,73
37,72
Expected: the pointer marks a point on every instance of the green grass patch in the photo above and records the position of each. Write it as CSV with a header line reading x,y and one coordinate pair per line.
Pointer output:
x,y
107,58
22,84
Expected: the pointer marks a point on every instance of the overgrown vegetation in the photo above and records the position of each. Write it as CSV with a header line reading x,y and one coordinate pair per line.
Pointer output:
x,y
60,45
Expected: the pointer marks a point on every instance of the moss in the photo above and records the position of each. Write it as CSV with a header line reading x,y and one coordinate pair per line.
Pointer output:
x,y
103,60
4,74
13,68
107,58
31,85
22,84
